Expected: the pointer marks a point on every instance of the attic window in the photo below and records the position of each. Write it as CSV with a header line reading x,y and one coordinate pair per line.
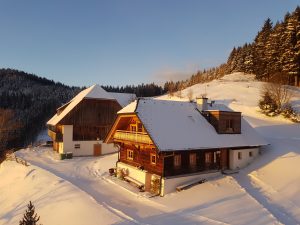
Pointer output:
x,y
140,127
133,127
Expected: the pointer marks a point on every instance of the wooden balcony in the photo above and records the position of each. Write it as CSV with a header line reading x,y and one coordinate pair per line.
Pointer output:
x,y
55,136
137,137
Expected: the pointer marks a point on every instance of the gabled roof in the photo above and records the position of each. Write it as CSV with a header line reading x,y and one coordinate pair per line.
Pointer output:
x,y
174,125
93,92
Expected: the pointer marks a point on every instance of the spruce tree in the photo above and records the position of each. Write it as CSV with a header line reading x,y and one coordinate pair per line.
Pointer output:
x,y
274,50
248,59
231,61
297,45
30,217
259,49
289,59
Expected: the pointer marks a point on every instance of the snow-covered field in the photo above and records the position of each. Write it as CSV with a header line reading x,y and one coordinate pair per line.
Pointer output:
x,y
80,191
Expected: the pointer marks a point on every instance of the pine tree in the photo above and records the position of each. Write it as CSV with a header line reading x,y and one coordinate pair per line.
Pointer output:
x,y
30,217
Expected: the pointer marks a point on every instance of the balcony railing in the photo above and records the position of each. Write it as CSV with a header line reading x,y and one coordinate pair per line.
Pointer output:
x,y
138,137
58,137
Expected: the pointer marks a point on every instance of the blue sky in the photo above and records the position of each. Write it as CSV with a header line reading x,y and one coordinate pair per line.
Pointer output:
x,y
127,42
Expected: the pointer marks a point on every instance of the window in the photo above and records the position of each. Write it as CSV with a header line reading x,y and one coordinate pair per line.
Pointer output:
x,y
177,160
133,127
239,155
217,156
153,158
139,127
250,154
229,125
208,157
193,159
77,145
130,154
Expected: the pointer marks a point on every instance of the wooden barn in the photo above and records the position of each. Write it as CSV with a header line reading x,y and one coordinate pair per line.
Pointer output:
x,y
80,125
165,144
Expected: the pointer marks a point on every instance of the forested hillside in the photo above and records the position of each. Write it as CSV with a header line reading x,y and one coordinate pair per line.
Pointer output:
x,y
275,50
26,102
141,90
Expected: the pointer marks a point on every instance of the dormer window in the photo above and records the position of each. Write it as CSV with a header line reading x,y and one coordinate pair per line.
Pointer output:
x,y
229,125
225,122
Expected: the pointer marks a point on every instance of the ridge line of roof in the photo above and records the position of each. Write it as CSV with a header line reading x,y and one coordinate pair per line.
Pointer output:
x,y
136,106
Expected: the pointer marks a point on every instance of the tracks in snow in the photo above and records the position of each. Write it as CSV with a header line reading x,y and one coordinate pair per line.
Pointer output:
x,y
116,206
278,212
72,179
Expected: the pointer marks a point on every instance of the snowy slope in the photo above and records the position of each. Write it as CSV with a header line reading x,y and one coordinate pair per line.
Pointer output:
x,y
56,200
274,178
239,91
266,192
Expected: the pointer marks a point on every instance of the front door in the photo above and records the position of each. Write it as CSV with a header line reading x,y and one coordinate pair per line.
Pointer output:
x,y
148,182
224,159
97,149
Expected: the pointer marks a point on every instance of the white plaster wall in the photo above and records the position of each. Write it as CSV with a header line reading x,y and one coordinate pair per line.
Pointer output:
x,y
235,163
169,184
67,131
133,172
86,147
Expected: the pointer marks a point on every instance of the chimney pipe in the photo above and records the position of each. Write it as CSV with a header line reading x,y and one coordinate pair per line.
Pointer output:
x,y
202,103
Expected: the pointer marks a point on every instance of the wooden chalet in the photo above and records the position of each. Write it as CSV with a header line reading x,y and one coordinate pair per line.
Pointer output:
x,y
169,143
80,125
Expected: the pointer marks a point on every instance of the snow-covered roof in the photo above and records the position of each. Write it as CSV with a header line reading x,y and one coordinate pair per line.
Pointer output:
x,y
129,108
93,92
218,107
175,125
123,98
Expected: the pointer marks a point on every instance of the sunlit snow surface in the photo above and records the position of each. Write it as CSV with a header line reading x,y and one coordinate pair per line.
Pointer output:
x,y
80,191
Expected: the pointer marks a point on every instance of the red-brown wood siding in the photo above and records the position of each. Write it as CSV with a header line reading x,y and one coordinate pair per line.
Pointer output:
x,y
92,118
218,120
141,158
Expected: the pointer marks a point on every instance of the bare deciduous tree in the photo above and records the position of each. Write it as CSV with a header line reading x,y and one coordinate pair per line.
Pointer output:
x,y
190,94
279,90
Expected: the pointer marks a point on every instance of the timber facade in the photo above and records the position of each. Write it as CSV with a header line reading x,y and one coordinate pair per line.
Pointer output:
x,y
224,122
81,125
142,161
